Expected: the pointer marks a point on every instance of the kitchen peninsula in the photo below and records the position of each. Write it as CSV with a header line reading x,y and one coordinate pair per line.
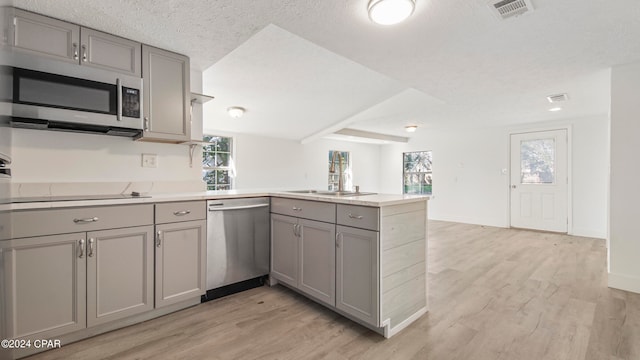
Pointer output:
x,y
363,256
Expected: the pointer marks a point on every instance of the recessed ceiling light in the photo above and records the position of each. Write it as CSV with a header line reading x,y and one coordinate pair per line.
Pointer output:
x,y
389,12
555,109
411,128
236,111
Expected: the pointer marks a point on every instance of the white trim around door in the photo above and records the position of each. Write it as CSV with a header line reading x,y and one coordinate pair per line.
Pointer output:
x,y
539,180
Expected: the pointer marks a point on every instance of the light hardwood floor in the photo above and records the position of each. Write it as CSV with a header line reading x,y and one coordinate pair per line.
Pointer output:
x,y
494,294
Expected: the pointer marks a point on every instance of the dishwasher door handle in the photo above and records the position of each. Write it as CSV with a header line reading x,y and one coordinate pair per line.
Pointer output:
x,y
238,207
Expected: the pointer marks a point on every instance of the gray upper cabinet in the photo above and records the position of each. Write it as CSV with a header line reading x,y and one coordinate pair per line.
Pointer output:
x,y
120,273
110,52
357,273
166,95
44,286
44,36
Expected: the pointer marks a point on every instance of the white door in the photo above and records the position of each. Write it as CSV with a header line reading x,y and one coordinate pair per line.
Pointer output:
x,y
539,182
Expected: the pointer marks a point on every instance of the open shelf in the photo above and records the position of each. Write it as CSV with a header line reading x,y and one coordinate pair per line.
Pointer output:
x,y
200,98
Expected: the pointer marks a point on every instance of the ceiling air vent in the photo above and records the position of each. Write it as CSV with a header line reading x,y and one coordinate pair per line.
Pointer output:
x,y
557,98
505,9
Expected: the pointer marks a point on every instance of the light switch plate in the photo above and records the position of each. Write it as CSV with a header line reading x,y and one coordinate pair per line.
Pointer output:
x,y
150,160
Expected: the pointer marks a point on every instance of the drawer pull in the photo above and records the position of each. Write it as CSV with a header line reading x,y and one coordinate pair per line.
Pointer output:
x,y
90,251
81,247
85,220
295,208
182,213
357,217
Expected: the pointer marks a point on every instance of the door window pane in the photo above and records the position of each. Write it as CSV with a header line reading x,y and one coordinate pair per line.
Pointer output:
x,y
537,161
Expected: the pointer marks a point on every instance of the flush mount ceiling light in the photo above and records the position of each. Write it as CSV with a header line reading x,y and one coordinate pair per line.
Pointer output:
x,y
236,111
389,12
411,128
554,109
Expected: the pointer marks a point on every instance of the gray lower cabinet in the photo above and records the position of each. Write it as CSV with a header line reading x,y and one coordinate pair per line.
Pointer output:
x,y
284,249
317,260
357,279
119,273
303,255
52,38
166,95
57,284
43,286
180,261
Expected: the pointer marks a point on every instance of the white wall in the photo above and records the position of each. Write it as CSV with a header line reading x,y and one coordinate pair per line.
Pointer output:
x,y
48,156
469,185
624,244
263,162
467,182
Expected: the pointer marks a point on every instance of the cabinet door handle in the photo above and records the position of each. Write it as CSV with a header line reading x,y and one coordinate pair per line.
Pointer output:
x,y
81,247
86,220
84,53
295,208
182,213
158,240
338,235
146,123
295,229
75,51
357,217
90,251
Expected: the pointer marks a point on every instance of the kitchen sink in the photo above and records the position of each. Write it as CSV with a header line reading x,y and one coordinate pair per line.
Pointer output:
x,y
330,193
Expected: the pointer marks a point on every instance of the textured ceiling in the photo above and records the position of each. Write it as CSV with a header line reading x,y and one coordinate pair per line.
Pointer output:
x,y
456,64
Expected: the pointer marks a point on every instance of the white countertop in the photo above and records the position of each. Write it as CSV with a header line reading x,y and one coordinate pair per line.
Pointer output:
x,y
377,200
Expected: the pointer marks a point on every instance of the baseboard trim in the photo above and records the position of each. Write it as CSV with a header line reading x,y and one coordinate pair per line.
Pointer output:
x,y
624,282
588,233
389,331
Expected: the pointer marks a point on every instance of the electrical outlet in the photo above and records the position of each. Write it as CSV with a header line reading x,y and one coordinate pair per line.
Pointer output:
x,y
150,160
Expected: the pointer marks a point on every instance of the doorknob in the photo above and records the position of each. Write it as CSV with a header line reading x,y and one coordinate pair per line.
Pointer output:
x,y
513,186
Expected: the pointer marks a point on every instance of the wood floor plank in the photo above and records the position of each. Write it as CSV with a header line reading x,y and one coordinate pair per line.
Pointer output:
x,y
495,294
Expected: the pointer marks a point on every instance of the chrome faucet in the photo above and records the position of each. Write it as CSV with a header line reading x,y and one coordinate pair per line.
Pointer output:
x,y
332,169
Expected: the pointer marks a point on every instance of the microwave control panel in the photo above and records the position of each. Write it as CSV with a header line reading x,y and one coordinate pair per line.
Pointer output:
x,y
130,102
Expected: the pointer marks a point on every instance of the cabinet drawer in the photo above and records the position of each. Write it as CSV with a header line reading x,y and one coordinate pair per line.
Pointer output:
x,y
363,217
180,211
67,220
312,210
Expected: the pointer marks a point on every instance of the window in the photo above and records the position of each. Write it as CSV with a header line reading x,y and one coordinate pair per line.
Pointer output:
x,y
217,162
537,161
334,177
417,172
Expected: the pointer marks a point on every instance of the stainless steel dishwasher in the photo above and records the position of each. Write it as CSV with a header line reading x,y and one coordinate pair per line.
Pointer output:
x,y
237,245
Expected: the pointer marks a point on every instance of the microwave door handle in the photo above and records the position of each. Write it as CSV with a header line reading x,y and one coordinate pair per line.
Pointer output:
x,y
119,104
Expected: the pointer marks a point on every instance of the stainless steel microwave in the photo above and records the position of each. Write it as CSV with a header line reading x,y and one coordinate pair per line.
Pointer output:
x,y
68,97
